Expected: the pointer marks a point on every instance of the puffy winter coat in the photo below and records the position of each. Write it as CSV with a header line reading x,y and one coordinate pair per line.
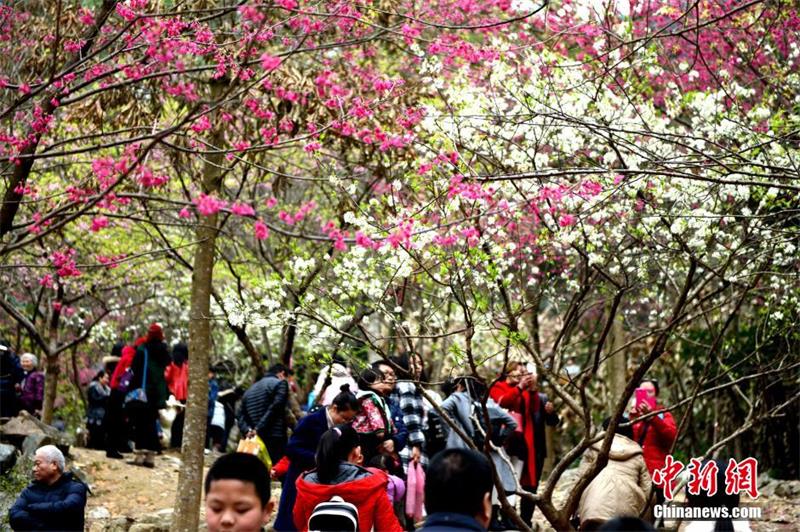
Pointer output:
x,y
656,436
621,488
31,393
264,408
56,507
356,485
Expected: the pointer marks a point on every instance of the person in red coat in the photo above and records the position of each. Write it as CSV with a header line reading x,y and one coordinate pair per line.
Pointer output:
x,y
519,393
177,377
656,434
338,473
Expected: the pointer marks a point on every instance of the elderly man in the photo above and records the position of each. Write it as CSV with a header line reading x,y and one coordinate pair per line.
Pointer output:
x,y
54,500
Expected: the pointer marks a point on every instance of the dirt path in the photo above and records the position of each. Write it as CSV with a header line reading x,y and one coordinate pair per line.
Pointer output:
x,y
122,490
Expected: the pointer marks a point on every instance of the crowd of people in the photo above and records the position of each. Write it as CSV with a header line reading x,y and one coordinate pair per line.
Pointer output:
x,y
21,383
372,445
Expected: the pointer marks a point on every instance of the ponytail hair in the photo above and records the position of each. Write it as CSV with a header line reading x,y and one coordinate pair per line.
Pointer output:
x,y
333,449
346,400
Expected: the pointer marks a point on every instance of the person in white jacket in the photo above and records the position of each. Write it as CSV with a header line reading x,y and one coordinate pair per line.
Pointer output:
x,y
330,381
621,488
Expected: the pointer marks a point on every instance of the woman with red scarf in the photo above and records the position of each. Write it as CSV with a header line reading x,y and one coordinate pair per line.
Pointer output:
x,y
518,393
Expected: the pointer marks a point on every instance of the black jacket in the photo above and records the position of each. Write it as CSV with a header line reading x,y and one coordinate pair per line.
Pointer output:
x,y
263,408
450,522
56,507
157,361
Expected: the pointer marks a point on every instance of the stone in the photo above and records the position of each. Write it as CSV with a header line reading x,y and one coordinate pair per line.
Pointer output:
x,y
34,441
8,457
120,524
787,488
17,429
101,512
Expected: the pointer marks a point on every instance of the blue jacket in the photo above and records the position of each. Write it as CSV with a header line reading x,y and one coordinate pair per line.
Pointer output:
x,y
400,436
301,451
450,521
56,507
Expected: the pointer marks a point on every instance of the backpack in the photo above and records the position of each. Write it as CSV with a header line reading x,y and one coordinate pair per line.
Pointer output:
x,y
125,380
334,515
435,434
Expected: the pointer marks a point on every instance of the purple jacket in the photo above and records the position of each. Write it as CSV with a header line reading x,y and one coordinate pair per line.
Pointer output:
x,y
32,391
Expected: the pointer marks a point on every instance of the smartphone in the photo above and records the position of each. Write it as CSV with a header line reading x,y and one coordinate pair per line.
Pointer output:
x,y
642,396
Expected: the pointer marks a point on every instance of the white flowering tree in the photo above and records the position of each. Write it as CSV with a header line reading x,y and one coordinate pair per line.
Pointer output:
x,y
474,181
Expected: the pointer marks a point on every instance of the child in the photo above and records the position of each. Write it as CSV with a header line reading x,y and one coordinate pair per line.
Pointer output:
x,y
396,488
238,494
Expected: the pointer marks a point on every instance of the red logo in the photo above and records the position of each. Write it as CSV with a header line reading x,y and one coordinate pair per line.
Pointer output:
x,y
739,477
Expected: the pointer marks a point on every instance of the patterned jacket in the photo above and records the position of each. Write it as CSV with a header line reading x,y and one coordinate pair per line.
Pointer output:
x,y
410,400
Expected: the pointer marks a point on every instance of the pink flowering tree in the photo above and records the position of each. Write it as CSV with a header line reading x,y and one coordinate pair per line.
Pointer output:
x,y
475,181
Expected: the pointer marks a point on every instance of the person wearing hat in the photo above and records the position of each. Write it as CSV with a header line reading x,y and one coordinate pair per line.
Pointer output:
x,y
148,366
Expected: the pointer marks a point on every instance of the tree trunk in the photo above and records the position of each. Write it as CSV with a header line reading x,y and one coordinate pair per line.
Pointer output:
x,y
187,504
50,387
617,364
52,368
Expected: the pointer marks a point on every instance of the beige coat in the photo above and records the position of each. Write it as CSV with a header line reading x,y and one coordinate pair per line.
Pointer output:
x,y
621,488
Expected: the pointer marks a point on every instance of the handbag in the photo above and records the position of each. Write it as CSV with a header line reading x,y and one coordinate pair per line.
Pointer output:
x,y
415,492
139,395
257,448
125,380
518,419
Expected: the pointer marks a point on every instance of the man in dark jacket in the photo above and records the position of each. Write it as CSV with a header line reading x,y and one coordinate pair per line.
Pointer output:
x,y
263,411
55,500
458,491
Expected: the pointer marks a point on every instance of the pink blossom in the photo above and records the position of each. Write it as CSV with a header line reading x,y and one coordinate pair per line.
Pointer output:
x,y
261,230
47,281
364,241
471,235
208,205
286,4
86,18
125,12
566,220
65,263
202,124
73,47
185,213
286,217
242,209
110,262
270,62
98,223
339,244
271,202
312,147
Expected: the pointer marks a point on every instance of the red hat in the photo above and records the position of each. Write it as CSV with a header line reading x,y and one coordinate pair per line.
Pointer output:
x,y
155,332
